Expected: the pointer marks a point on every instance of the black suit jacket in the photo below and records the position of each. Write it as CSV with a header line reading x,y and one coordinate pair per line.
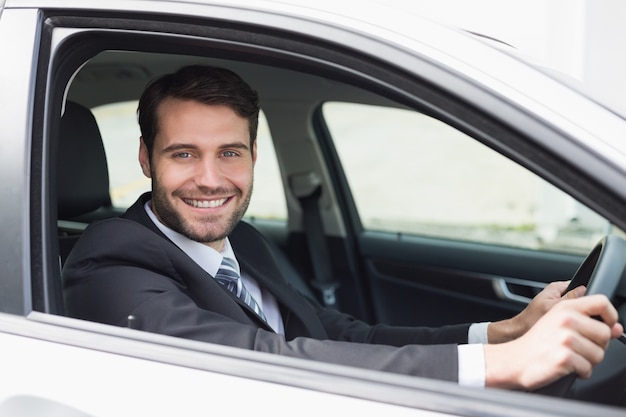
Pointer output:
x,y
126,266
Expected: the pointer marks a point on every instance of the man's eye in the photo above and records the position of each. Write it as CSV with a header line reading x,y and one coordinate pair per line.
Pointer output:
x,y
182,155
229,153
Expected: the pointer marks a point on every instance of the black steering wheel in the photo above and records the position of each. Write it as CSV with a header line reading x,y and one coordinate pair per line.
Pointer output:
x,y
602,269
601,272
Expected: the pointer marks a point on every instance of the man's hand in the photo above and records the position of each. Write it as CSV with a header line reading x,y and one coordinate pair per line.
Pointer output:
x,y
565,340
507,330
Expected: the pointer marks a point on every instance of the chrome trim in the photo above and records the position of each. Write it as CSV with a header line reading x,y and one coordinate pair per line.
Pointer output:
x,y
502,290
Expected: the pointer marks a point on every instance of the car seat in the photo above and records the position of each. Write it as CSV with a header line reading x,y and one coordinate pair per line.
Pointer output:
x,y
82,176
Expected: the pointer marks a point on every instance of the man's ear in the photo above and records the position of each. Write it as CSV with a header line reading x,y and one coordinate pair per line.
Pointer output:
x,y
144,158
254,151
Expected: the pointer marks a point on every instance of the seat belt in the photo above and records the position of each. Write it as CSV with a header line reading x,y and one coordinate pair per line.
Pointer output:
x,y
308,189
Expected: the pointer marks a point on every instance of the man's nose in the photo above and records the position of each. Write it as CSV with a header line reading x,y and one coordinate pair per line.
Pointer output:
x,y
208,173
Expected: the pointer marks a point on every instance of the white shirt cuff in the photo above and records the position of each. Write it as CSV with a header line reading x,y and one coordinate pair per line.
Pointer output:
x,y
478,333
471,365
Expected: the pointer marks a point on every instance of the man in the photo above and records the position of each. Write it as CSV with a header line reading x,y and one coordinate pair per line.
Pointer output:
x,y
171,264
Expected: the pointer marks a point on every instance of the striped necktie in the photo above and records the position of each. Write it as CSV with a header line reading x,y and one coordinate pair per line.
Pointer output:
x,y
229,278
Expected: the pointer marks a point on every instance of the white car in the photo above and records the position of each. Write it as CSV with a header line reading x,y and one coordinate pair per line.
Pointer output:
x,y
457,180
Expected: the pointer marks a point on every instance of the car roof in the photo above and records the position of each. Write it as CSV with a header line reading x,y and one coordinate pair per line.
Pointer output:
x,y
398,37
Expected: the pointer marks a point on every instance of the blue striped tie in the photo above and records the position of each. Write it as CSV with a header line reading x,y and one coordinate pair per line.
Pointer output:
x,y
228,276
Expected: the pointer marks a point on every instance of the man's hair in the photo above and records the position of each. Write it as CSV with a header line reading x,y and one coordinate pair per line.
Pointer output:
x,y
205,84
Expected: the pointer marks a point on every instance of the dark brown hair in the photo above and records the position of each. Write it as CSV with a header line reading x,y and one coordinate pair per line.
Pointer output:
x,y
205,84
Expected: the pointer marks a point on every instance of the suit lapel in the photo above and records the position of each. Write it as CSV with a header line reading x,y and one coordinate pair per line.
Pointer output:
x,y
205,282
256,259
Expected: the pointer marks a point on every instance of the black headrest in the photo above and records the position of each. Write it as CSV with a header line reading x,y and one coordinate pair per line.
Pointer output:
x,y
82,172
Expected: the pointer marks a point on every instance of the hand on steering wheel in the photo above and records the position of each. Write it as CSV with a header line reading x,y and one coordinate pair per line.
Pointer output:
x,y
601,272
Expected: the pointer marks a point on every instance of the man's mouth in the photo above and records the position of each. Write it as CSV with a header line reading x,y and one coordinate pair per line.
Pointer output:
x,y
205,203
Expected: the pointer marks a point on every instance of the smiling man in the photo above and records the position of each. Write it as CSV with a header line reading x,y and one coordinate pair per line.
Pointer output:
x,y
180,262
201,163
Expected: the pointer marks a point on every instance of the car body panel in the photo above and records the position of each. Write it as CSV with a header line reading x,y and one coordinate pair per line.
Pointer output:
x,y
126,385
18,86
58,358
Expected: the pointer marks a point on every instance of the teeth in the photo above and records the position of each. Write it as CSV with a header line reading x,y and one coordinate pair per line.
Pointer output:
x,y
206,203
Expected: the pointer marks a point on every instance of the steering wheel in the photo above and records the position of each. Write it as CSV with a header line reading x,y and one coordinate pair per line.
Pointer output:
x,y
602,269
601,272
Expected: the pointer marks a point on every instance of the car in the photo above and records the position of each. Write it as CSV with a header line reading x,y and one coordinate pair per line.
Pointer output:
x,y
448,179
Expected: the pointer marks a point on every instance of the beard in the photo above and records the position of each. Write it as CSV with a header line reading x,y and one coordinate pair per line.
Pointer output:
x,y
205,229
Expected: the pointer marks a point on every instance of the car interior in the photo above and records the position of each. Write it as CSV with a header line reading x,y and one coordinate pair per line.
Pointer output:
x,y
313,202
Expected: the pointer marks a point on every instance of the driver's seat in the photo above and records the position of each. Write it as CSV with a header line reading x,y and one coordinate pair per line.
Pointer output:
x,y
82,176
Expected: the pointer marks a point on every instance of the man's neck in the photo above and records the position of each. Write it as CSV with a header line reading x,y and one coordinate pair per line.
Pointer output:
x,y
217,245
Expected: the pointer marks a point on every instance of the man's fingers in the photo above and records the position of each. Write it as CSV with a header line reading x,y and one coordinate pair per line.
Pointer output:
x,y
580,339
592,342
560,286
570,338
574,293
598,306
574,352
581,366
555,289
617,330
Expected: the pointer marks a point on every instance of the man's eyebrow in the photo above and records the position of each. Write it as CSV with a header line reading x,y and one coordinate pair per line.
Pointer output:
x,y
178,146
181,146
236,145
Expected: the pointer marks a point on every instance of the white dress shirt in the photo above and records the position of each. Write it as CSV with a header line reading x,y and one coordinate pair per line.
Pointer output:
x,y
471,356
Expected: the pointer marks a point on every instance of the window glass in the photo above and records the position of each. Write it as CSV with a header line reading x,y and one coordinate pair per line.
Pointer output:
x,y
120,134
410,173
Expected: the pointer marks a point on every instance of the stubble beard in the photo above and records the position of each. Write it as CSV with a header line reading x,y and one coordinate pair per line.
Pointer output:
x,y
212,228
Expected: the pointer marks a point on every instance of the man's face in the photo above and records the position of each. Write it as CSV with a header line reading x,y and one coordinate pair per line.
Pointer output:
x,y
201,169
